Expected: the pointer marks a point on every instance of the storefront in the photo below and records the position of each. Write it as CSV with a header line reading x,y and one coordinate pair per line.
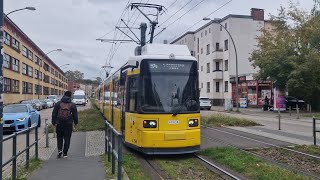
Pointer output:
x,y
254,91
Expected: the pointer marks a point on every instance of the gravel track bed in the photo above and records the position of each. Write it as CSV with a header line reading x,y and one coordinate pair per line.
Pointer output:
x,y
297,161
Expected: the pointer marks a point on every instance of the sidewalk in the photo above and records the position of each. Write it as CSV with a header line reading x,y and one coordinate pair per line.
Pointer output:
x,y
77,166
296,131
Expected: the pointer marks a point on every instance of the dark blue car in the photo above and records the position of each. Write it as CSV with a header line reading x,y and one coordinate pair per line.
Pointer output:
x,y
18,117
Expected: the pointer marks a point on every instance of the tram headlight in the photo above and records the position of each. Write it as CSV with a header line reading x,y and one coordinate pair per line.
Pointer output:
x,y
150,124
193,122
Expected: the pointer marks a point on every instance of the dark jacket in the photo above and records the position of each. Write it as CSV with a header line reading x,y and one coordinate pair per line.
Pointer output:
x,y
74,112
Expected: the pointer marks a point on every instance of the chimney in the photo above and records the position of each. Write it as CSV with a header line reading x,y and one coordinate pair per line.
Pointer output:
x,y
257,14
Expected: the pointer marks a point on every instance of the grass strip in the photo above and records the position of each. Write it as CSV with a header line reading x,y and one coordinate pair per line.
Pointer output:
x,y
219,120
130,164
24,173
90,119
249,165
185,168
315,150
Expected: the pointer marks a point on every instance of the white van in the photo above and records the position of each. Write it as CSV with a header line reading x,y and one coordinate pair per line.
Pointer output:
x,y
79,97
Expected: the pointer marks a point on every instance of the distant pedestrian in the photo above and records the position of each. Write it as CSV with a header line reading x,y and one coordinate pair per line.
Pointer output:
x,y
64,114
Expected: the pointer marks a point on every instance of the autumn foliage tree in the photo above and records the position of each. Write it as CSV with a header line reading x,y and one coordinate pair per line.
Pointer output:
x,y
289,53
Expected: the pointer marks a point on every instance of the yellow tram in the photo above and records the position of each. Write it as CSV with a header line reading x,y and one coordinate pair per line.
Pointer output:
x,y
154,100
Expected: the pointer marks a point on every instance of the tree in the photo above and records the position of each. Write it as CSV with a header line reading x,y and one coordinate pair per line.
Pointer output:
x,y
289,53
74,75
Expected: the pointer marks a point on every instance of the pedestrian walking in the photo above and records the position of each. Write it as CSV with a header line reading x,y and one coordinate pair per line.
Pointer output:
x,y
64,115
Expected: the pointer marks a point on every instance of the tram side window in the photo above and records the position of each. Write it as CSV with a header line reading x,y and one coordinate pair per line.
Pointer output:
x,y
132,104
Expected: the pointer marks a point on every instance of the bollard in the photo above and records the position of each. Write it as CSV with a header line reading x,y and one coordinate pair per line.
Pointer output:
x,y
297,107
14,155
314,132
47,133
290,110
27,148
279,117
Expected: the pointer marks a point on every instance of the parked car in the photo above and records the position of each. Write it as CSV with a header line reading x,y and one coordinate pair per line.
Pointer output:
x,y
44,104
49,102
54,98
205,103
18,117
59,98
29,102
292,102
38,103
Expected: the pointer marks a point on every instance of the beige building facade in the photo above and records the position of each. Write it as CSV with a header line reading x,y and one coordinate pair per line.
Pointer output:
x,y
28,72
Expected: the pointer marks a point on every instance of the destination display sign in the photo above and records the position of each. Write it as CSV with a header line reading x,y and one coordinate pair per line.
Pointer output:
x,y
166,66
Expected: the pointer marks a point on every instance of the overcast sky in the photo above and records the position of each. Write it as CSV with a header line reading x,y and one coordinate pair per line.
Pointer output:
x,y
73,25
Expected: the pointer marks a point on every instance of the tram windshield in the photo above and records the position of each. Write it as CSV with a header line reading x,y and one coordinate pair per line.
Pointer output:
x,y
169,86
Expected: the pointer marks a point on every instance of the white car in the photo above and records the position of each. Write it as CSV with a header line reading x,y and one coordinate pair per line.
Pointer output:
x,y
54,98
79,98
205,103
49,103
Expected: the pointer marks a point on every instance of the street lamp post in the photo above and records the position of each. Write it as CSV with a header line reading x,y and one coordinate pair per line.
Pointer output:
x,y
1,76
235,49
55,77
26,8
38,88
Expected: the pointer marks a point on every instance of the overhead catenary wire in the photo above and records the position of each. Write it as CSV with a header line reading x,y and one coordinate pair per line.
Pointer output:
x,y
175,13
170,6
184,31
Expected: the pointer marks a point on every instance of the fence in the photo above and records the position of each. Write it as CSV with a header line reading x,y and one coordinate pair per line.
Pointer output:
x,y
315,130
111,136
15,155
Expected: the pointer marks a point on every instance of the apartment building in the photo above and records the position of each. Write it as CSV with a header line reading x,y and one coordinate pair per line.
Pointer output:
x,y
212,46
28,72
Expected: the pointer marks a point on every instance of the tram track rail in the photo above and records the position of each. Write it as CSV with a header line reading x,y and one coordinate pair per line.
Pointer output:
x,y
272,161
221,172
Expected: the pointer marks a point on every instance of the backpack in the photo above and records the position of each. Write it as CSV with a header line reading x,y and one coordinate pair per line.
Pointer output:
x,y
64,112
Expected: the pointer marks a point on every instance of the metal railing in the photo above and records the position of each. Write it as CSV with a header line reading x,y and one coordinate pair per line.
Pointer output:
x,y
315,130
111,136
27,148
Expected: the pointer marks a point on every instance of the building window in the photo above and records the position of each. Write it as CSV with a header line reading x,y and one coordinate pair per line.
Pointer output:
x,y
52,71
218,47
30,88
15,86
15,44
30,71
217,87
6,61
201,85
38,89
201,68
15,64
198,47
208,49
226,86
205,32
40,75
38,61
217,66
24,87
45,90
36,74
226,45
209,30
208,87
201,50
24,68
30,55
220,28
182,41
226,25
7,39
24,51
6,85
208,67
46,67
185,39
56,73
201,34
226,65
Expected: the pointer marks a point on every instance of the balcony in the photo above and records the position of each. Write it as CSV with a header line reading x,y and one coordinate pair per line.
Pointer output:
x,y
217,75
217,54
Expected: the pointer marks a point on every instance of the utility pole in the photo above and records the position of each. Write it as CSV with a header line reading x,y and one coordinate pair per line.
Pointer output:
x,y
1,83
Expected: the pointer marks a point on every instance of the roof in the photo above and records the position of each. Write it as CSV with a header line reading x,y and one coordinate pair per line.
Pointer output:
x,y
212,22
7,19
